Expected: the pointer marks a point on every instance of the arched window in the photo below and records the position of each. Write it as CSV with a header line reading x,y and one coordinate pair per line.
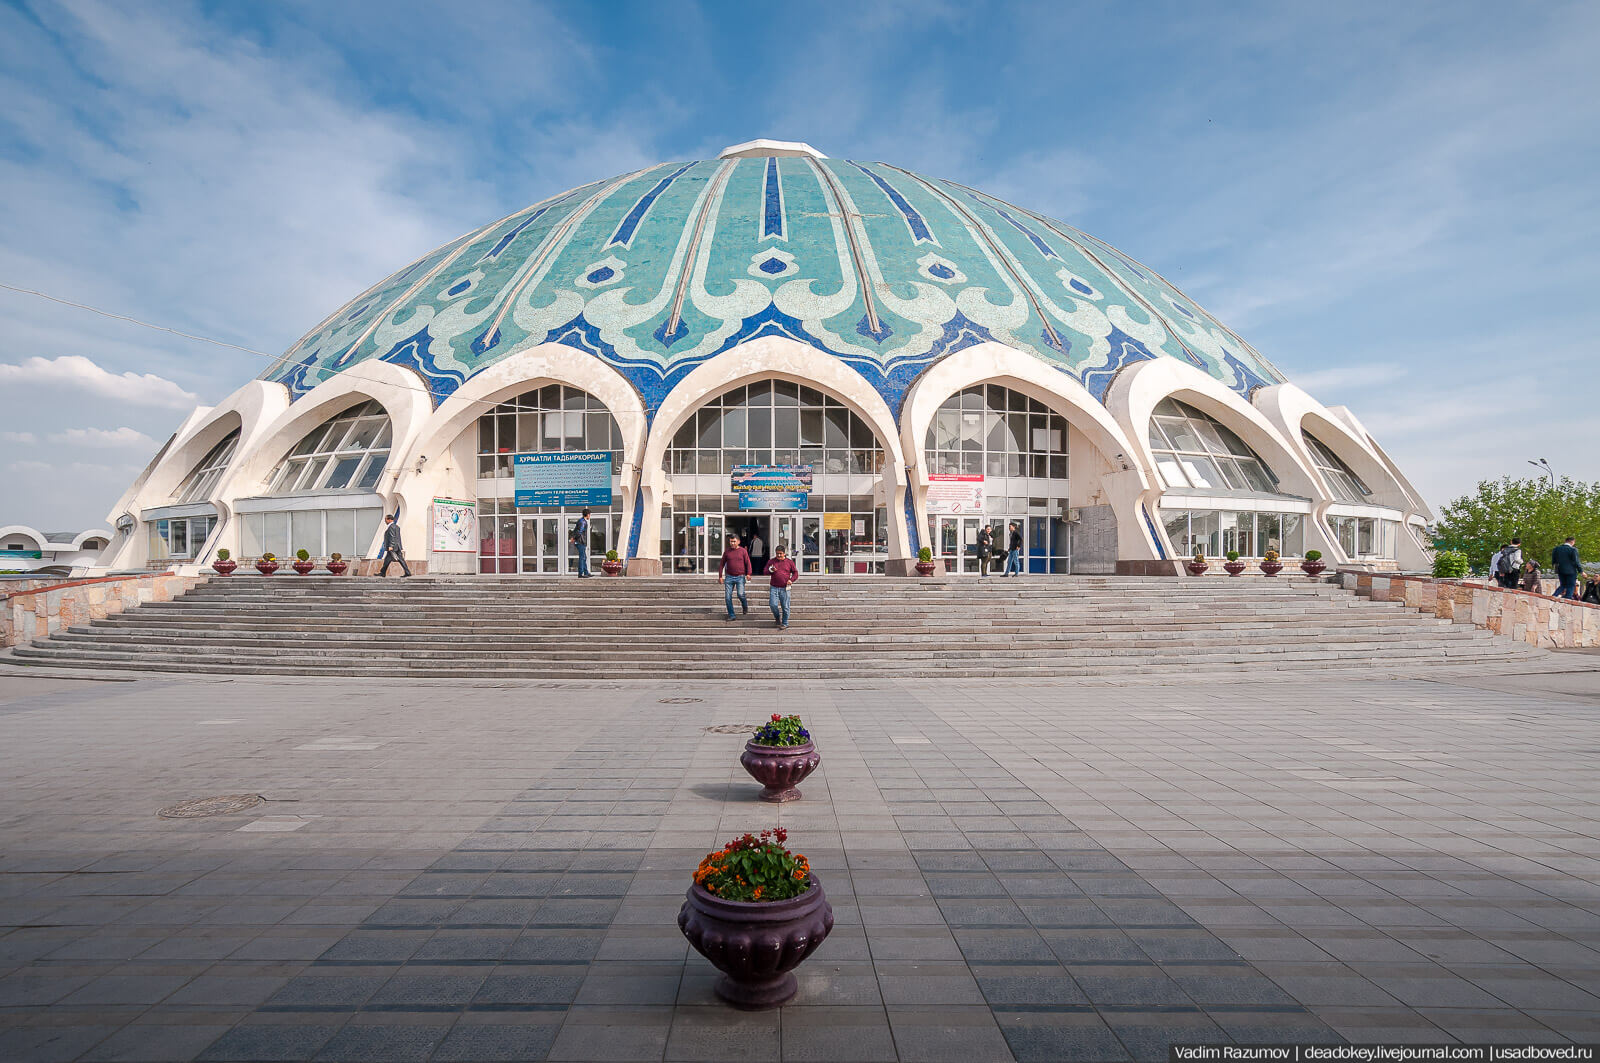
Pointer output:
x,y
1345,484
1194,450
197,486
775,422
991,430
347,453
554,418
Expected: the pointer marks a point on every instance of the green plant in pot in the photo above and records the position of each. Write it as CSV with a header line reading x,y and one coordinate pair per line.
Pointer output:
x,y
1197,565
1233,566
612,565
267,563
303,563
224,564
337,565
1312,565
779,756
925,565
1270,564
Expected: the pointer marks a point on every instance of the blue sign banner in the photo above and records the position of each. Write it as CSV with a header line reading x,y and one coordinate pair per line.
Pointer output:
x,y
697,522
582,478
772,486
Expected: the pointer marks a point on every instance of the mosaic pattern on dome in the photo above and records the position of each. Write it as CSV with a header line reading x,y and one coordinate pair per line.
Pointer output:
x,y
657,271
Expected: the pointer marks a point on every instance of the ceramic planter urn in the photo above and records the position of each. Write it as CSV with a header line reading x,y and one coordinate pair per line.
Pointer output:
x,y
1313,568
780,768
926,568
611,568
338,568
1196,568
305,568
266,568
756,944
225,568
1271,568
1233,568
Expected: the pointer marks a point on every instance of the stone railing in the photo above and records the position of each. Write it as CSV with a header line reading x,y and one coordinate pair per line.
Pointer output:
x,y
1537,619
42,611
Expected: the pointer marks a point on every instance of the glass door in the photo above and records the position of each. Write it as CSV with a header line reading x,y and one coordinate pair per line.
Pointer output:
x,y
552,546
810,557
957,543
528,541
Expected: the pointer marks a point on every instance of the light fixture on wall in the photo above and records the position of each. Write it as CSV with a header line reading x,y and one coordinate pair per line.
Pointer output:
x,y
422,460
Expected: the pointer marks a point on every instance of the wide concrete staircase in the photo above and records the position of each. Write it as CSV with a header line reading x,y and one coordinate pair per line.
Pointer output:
x,y
508,627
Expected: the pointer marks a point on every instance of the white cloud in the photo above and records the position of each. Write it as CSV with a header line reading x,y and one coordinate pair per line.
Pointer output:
x,y
18,437
74,370
29,466
103,437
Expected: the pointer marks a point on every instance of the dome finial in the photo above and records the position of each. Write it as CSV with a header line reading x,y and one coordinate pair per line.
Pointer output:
x,y
759,149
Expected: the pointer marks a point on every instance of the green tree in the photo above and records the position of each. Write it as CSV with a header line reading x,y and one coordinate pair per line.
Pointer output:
x,y
1541,514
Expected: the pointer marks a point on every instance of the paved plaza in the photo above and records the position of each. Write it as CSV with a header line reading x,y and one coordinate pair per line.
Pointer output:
x,y
460,871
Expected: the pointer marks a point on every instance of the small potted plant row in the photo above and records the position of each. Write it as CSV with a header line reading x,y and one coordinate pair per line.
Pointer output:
x,y
925,565
612,565
1312,565
337,565
224,564
779,756
1270,565
1197,565
267,563
303,563
1233,566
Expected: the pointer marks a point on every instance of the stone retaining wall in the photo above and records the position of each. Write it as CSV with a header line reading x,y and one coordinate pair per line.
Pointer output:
x,y
38,613
1537,619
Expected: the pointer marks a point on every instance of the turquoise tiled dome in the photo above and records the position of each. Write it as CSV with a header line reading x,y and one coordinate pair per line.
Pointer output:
x,y
656,271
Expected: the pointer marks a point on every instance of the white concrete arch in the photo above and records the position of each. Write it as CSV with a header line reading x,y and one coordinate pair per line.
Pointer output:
x,y
448,441
14,530
768,358
1294,412
1136,392
401,392
1112,471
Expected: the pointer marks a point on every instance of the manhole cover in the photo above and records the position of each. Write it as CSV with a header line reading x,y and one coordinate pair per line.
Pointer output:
x,y
201,807
733,729
678,701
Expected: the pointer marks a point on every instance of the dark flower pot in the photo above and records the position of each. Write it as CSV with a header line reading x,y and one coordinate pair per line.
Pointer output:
x,y
1233,568
305,568
338,568
611,568
926,568
1313,568
1271,568
780,768
756,944
225,568
1197,568
266,568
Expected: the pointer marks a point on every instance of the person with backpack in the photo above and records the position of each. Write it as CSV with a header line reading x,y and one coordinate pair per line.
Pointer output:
x,y
1510,571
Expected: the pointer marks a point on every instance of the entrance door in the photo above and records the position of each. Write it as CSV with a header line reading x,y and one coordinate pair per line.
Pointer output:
x,y
547,548
957,539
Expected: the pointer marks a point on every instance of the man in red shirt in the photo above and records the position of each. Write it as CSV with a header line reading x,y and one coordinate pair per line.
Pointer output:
x,y
734,568
782,573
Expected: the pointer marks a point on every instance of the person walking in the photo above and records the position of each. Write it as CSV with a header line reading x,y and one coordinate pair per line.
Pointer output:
x,y
1494,562
782,574
1564,559
1510,571
734,569
758,552
1530,575
580,539
392,550
985,549
1014,551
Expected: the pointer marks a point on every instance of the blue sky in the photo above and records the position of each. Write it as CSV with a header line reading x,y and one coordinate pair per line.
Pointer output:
x,y
1396,203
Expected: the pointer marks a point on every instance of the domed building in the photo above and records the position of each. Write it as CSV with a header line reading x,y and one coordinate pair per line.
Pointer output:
x,y
850,360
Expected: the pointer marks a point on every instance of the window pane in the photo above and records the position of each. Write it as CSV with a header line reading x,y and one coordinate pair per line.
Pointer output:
x,y
1177,525
1171,472
1183,436
342,532
343,470
1201,472
374,469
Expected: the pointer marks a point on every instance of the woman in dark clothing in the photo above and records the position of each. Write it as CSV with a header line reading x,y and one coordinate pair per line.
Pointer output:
x,y
1591,589
1530,575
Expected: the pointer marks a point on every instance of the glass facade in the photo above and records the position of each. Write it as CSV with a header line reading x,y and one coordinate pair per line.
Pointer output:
x,y
197,486
180,538
1345,484
776,422
535,540
1194,450
1365,536
347,453
1019,447
321,532
1252,534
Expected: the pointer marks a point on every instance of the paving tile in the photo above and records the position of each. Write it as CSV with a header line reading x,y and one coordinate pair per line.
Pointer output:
x,y
706,1033
836,1034
372,1042
1049,1037
272,1042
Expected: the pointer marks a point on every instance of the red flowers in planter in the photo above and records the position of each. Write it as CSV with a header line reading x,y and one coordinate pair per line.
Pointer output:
x,y
752,868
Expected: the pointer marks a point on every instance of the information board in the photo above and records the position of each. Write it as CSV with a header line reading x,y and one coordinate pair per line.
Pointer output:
x,y
955,494
455,526
582,478
784,487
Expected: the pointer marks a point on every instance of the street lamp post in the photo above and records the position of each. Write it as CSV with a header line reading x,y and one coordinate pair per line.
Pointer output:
x,y
1544,466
